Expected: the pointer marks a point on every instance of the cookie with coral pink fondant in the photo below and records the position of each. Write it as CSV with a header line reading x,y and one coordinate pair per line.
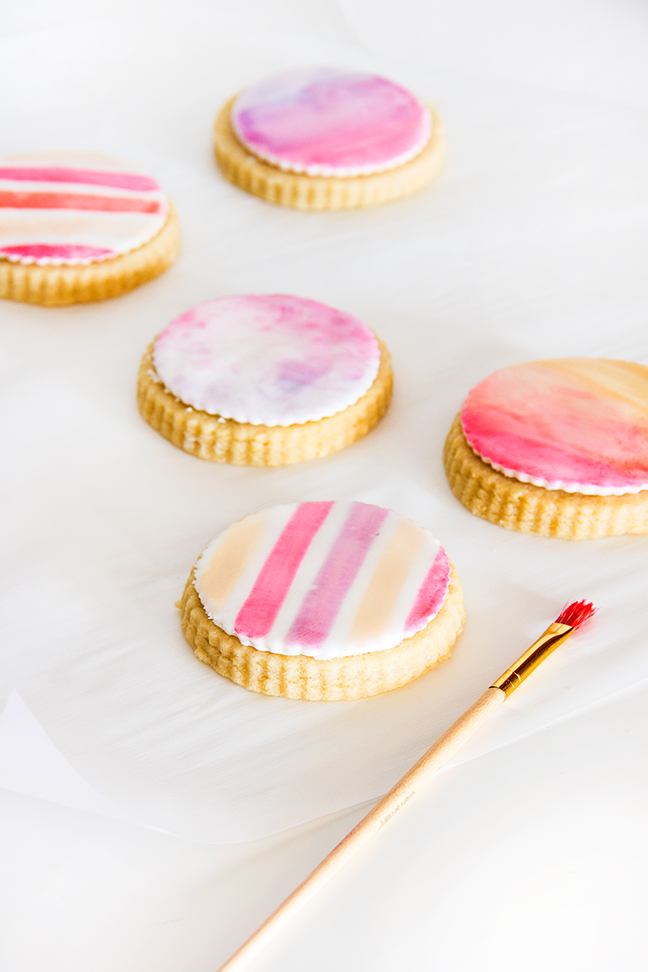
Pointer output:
x,y
557,448
327,138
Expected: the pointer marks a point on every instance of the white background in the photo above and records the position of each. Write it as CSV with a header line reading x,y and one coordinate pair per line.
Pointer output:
x,y
532,243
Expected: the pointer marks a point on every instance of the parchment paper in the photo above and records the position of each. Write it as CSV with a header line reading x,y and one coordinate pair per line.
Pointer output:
x,y
530,244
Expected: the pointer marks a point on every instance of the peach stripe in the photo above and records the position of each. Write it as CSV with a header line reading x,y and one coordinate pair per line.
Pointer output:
x,y
231,557
389,577
621,382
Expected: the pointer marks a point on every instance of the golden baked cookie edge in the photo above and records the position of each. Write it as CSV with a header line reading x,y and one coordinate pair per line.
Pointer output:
x,y
60,286
301,191
303,677
239,443
527,508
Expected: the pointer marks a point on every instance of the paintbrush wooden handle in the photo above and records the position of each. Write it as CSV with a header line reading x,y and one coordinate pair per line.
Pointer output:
x,y
400,794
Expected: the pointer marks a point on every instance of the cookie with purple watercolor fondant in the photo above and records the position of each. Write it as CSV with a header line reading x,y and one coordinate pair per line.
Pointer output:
x,y
557,448
77,227
327,138
264,380
322,601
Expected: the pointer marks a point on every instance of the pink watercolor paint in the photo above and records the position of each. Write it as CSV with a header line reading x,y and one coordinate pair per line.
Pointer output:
x,y
577,424
322,602
317,562
267,359
54,214
326,121
258,614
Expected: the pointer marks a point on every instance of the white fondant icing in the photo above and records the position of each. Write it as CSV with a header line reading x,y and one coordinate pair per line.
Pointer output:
x,y
326,580
75,209
267,359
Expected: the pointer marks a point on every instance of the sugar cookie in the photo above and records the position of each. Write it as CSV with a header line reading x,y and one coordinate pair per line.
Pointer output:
x,y
264,380
324,600
558,448
325,138
77,227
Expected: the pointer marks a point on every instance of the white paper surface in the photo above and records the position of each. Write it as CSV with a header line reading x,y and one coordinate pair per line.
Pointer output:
x,y
530,244
574,46
31,764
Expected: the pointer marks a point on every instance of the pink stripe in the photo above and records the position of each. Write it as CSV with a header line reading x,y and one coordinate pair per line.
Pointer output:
x,y
258,614
431,594
77,200
91,177
320,607
64,251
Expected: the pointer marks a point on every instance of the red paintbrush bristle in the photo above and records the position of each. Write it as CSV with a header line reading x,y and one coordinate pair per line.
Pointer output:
x,y
577,614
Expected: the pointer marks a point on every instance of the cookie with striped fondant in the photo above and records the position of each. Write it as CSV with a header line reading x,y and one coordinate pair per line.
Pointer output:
x,y
557,447
264,380
327,138
323,600
76,227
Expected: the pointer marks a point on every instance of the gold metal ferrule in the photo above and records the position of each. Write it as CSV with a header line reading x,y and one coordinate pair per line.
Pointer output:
x,y
532,657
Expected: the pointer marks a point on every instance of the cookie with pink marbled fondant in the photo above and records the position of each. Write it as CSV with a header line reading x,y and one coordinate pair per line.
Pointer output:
x,y
328,138
323,600
264,379
557,447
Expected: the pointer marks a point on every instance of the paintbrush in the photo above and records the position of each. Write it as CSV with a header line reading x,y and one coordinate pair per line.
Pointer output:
x,y
573,617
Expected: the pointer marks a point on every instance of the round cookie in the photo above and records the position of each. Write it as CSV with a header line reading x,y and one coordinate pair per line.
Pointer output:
x,y
558,448
78,227
324,138
322,601
264,380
